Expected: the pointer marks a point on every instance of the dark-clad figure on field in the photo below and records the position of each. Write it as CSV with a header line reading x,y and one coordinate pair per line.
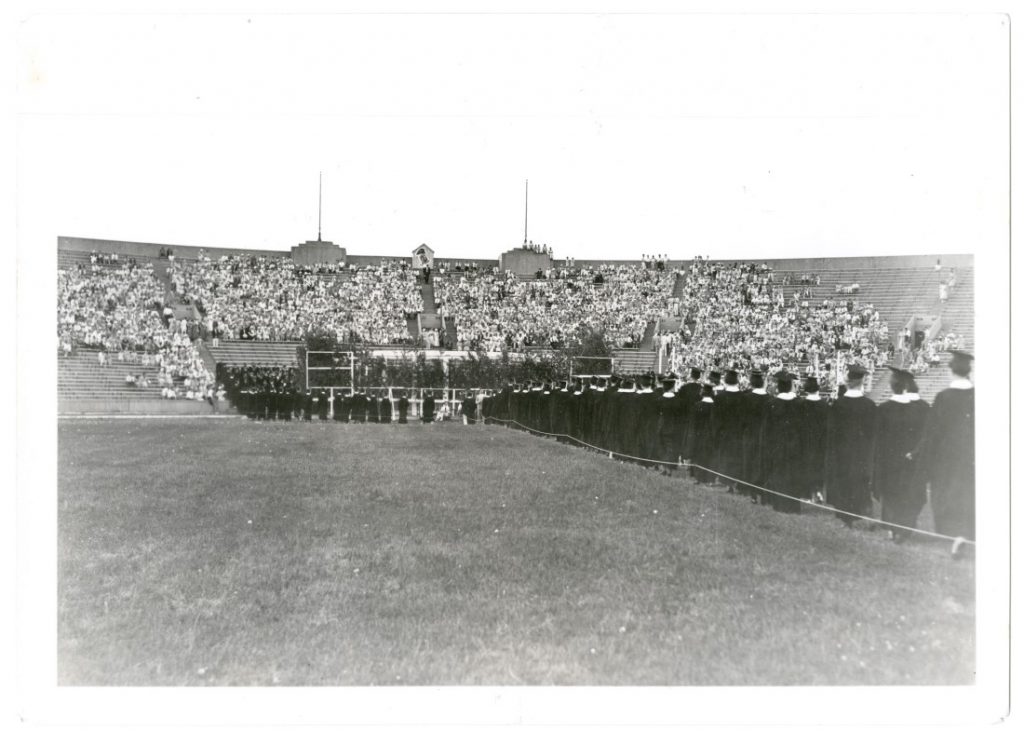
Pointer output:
x,y
670,424
689,395
850,451
703,436
813,437
385,409
322,405
728,427
646,416
307,405
900,426
403,408
469,409
427,415
358,409
781,446
754,402
946,454
372,408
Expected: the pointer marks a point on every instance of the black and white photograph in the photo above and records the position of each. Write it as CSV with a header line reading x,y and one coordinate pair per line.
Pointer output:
x,y
520,361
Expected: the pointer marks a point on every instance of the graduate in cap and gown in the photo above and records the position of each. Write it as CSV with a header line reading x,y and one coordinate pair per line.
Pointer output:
x,y
900,427
946,454
385,409
469,408
670,423
729,426
372,408
754,402
703,436
307,405
427,413
850,450
782,445
813,438
403,408
646,418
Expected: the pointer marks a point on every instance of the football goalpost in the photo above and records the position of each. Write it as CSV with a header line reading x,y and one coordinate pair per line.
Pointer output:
x,y
330,369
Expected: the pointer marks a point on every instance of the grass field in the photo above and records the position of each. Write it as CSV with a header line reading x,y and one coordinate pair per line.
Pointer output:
x,y
230,552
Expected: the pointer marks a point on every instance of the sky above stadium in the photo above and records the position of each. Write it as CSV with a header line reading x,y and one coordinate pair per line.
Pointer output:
x,y
729,136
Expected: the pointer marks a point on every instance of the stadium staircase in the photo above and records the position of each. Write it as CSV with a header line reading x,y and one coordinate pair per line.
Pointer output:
x,y
679,286
429,318
451,332
647,344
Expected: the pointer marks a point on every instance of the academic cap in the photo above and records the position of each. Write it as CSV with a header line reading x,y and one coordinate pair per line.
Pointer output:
x,y
811,385
962,356
695,373
784,376
756,379
715,377
731,377
855,372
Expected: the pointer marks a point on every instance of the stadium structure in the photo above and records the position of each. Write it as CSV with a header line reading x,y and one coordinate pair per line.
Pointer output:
x,y
921,302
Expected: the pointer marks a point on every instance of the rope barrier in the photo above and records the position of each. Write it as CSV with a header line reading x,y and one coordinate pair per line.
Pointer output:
x,y
824,507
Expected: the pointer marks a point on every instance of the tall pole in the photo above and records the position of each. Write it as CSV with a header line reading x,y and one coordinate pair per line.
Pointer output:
x,y
319,206
526,217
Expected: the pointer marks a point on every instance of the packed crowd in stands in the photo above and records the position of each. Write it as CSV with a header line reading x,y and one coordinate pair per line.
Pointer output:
x,y
273,299
496,311
737,316
119,311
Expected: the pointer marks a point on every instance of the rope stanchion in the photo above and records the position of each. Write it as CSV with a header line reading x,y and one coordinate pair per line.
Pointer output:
x,y
824,507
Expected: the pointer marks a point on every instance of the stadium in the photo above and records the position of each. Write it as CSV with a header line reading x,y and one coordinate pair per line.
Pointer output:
x,y
318,468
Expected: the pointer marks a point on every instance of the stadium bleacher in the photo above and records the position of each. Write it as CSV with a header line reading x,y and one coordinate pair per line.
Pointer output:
x,y
898,292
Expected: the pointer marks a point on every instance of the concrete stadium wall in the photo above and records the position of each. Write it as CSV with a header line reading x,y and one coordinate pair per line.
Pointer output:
x,y
135,405
129,248
152,250
520,261
317,252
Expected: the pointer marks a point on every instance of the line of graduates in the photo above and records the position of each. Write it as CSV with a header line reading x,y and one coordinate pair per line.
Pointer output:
x,y
847,450
354,406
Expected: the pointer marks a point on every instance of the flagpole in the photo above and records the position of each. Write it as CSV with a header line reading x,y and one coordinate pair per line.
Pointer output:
x,y
319,206
526,216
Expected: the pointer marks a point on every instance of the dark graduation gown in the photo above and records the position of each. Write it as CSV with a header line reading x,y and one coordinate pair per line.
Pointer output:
x,y
243,402
373,409
469,409
669,439
307,406
403,410
342,404
428,410
753,407
781,450
898,485
284,407
728,428
703,438
850,454
647,415
813,437
947,460
628,428
385,410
